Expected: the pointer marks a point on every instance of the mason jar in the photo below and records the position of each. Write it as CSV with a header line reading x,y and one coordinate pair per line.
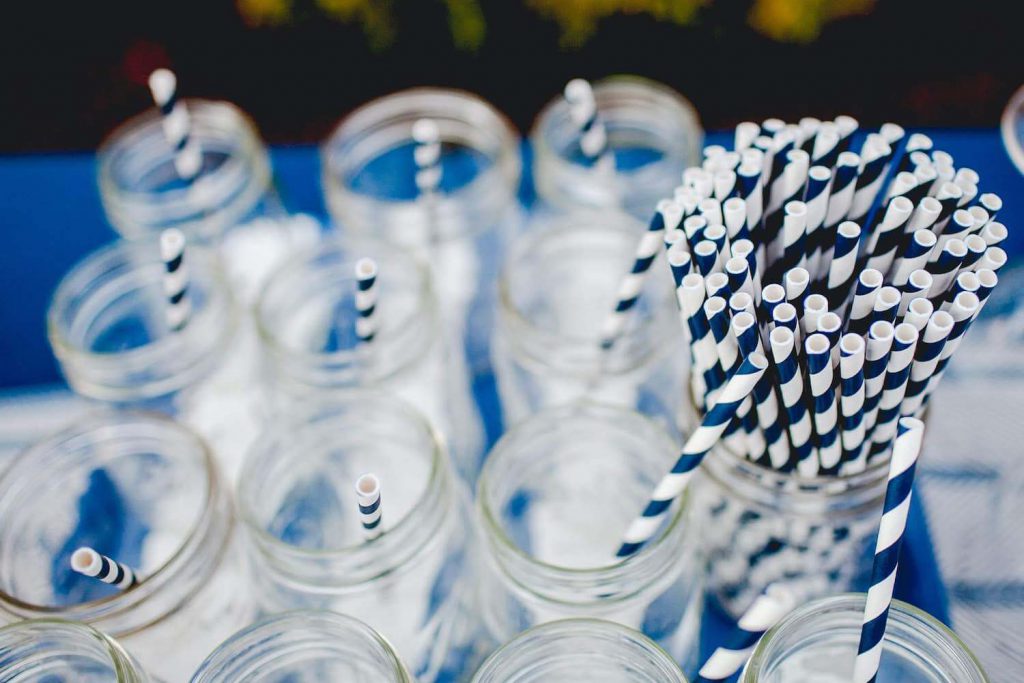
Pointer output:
x,y
231,203
554,499
306,319
556,290
144,491
299,507
580,651
653,134
818,642
52,651
108,328
304,645
759,526
461,229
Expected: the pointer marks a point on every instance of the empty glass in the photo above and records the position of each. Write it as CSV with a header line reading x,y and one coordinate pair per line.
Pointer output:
x,y
53,651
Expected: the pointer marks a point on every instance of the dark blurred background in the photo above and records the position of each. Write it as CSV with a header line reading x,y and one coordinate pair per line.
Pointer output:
x,y
72,71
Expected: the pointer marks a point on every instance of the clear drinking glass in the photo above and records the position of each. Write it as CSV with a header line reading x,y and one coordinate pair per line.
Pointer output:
x,y
231,203
107,326
54,651
461,230
306,318
304,645
556,290
818,642
297,500
580,651
653,132
554,498
144,491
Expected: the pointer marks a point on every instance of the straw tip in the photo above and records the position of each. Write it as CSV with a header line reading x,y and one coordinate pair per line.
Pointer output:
x,y
172,243
85,560
162,84
366,268
757,359
578,90
907,424
425,131
368,485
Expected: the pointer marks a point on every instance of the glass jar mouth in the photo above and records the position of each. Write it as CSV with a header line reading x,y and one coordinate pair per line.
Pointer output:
x,y
84,637
620,573
463,118
249,649
102,284
330,265
844,613
117,434
142,193
360,561
651,329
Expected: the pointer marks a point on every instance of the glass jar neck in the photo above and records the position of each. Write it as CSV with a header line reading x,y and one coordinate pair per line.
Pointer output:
x,y
332,646
830,628
108,326
307,317
49,649
477,187
579,650
111,446
143,194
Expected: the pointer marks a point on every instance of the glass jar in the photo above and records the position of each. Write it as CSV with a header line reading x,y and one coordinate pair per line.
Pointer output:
x,y
653,133
818,642
556,290
580,651
144,491
461,230
554,498
304,645
306,318
53,651
107,326
298,503
759,526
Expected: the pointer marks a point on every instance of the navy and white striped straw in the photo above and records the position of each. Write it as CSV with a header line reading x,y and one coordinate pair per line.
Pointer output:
x,y
88,562
175,279
826,412
876,360
593,138
791,385
370,512
366,299
898,493
926,359
763,614
177,124
851,403
842,265
703,439
427,155
897,374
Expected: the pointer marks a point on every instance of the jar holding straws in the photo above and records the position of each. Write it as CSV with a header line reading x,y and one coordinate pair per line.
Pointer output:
x,y
349,504
304,645
818,641
584,314
553,500
122,522
360,312
622,144
53,650
201,167
580,651
435,171
151,324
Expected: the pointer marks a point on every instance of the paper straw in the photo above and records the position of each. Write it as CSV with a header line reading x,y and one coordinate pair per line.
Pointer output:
x,y
916,142
734,215
751,192
745,134
88,562
887,303
842,264
771,296
666,217
994,259
823,152
744,327
926,358
826,413
994,234
791,385
960,226
738,272
914,257
716,234
583,111
874,156
976,248
717,284
370,512
427,155
679,261
831,325
847,126
949,197
964,311
729,359
763,614
925,214
897,373
808,131
785,315
916,288
987,280
876,359
691,296
919,312
705,257
724,184
741,302
177,124
944,269
796,283
815,306
711,209
175,279
816,198
745,249
868,284
967,281
886,239
898,493
992,203
697,446
851,402
366,299
694,227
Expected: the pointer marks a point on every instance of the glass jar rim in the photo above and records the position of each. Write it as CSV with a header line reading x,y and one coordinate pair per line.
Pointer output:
x,y
124,668
94,611
653,554
243,642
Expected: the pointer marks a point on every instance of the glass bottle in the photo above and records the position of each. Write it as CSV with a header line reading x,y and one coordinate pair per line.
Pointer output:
x,y
818,642
306,319
556,290
306,546
580,651
54,651
653,133
304,645
554,498
141,490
